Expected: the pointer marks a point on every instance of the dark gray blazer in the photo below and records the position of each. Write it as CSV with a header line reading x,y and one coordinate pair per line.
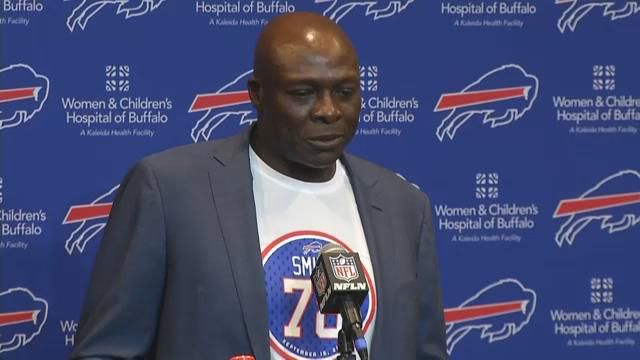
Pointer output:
x,y
179,273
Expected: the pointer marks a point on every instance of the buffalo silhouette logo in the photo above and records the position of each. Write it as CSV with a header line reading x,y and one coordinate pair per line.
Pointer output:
x,y
377,9
497,311
230,103
23,92
22,317
615,10
498,97
91,219
84,11
614,202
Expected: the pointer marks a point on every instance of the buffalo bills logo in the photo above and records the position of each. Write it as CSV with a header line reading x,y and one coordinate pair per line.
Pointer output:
x,y
313,247
23,92
22,317
90,219
497,312
84,11
614,202
297,330
378,9
230,103
498,98
577,9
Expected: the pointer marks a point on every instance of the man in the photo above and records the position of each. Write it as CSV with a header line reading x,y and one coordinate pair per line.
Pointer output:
x,y
208,247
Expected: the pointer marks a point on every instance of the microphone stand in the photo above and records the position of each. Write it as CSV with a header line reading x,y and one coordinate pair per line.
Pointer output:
x,y
345,346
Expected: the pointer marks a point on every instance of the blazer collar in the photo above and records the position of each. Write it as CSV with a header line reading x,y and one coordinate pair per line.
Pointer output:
x,y
377,231
232,188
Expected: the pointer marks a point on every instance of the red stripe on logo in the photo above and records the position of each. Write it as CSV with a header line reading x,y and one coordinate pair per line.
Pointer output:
x,y
18,317
581,205
468,313
218,100
87,212
18,94
469,98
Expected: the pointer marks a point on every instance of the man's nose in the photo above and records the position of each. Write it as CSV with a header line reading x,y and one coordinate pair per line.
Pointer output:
x,y
326,108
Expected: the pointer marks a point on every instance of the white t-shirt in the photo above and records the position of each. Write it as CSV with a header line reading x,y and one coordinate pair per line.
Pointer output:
x,y
295,219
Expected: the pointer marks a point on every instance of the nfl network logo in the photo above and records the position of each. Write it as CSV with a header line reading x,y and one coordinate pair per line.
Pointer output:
x,y
487,185
117,78
344,267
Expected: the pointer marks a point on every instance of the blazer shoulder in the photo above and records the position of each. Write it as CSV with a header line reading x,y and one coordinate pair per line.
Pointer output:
x,y
384,178
186,158
180,154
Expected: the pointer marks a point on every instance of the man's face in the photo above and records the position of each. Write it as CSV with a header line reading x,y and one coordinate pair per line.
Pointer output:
x,y
310,106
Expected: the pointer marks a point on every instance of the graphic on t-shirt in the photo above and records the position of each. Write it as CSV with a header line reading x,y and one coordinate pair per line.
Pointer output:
x,y
297,330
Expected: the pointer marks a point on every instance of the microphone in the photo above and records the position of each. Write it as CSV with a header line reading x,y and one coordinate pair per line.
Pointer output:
x,y
340,288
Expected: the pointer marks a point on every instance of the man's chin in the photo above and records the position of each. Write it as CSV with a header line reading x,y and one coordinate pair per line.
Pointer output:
x,y
322,160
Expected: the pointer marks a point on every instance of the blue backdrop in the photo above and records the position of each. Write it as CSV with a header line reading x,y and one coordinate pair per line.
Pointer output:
x,y
519,119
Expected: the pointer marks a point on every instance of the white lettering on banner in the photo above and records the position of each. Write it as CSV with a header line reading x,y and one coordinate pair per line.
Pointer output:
x,y
120,112
561,101
570,316
75,104
21,224
21,229
274,7
392,103
238,7
599,321
225,7
22,5
486,217
501,8
584,115
69,329
462,10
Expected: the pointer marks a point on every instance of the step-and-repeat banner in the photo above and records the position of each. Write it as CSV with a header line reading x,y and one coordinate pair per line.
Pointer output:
x,y
520,119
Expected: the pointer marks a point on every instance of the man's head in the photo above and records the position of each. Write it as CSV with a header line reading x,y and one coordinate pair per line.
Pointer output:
x,y
306,90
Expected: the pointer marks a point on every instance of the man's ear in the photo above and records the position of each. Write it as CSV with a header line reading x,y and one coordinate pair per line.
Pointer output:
x,y
255,93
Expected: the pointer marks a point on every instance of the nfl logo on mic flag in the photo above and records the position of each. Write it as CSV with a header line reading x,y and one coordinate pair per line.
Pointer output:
x,y
334,276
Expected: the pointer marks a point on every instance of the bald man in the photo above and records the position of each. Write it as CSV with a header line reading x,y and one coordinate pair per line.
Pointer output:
x,y
209,247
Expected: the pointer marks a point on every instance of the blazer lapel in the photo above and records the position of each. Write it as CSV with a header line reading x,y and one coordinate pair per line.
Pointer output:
x,y
231,184
379,241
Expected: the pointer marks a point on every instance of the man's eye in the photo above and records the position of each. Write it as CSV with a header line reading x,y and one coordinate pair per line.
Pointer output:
x,y
345,92
301,92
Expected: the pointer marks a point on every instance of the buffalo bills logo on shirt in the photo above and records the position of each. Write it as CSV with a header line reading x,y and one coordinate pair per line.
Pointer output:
x,y
297,330
23,92
22,317
613,203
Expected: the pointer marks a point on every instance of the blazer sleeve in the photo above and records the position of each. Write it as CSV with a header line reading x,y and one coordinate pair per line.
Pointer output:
x,y
123,300
431,338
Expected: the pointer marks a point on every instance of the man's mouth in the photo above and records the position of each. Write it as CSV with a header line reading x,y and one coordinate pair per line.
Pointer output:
x,y
327,141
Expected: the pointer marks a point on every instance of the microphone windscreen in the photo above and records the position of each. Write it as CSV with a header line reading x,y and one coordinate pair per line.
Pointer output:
x,y
332,249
